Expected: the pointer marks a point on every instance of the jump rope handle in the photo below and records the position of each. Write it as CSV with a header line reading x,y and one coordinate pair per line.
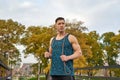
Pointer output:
x,y
47,49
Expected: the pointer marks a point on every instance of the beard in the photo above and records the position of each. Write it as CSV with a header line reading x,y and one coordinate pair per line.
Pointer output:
x,y
61,30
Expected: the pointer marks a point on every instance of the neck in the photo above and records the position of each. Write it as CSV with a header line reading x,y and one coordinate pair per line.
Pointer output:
x,y
61,33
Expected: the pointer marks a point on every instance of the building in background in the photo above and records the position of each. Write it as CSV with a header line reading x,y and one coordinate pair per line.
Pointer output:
x,y
26,70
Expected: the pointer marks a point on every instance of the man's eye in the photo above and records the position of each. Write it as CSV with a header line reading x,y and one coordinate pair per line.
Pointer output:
x,y
60,23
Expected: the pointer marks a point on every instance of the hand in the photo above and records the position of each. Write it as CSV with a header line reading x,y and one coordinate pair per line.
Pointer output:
x,y
47,55
64,58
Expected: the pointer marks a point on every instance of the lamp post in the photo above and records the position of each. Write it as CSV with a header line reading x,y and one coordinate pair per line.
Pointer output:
x,y
39,68
11,51
9,62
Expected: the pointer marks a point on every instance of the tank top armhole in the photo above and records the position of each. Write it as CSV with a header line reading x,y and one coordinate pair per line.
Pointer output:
x,y
53,41
68,36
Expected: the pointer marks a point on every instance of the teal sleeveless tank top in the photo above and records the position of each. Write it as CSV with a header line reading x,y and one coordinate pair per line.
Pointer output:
x,y
57,65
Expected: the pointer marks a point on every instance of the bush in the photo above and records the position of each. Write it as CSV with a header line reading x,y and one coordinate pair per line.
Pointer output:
x,y
35,78
22,78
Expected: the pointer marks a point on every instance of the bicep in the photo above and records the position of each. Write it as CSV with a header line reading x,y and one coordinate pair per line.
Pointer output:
x,y
50,50
50,47
75,43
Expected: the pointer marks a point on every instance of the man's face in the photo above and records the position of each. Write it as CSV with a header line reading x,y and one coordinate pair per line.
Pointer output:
x,y
60,25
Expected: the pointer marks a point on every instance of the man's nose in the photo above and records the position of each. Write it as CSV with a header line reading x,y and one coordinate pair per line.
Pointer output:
x,y
61,25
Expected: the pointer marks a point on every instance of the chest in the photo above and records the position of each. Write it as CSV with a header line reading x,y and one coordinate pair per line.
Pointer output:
x,y
61,44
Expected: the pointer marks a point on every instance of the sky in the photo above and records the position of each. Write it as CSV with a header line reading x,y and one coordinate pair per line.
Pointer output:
x,y
99,15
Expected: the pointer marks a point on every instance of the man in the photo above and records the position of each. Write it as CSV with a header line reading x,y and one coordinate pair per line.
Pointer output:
x,y
63,49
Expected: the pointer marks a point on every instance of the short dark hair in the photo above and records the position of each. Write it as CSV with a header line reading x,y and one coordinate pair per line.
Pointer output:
x,y
59,18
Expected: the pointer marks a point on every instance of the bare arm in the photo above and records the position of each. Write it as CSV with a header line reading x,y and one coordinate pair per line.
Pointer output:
x,y
50,47
49,53
77,50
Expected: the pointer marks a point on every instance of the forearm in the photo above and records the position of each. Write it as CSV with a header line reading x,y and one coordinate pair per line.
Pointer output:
x,y
71,57
50,52
75,55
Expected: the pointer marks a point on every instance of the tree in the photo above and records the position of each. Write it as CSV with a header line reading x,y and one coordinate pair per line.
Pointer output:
x,y
10,32
109,48
36,41
115,40
96,49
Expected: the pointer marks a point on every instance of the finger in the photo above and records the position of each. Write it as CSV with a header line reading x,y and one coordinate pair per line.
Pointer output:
x,y
61,56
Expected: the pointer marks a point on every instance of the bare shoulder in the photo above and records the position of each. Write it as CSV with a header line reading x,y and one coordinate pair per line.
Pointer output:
x,y
72,38
51,40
